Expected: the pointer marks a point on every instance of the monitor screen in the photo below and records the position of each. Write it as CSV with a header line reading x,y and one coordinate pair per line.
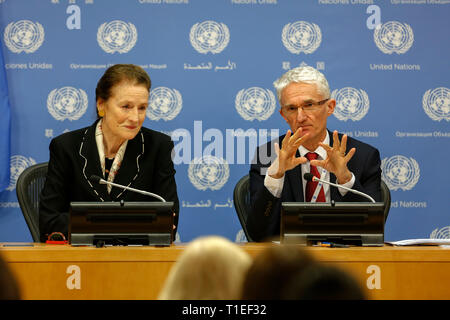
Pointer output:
x,y
354,223
121,223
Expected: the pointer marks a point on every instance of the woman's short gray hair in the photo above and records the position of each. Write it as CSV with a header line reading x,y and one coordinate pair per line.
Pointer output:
x,y
305,74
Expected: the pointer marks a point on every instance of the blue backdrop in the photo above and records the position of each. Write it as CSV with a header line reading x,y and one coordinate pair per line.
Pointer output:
x,y
212,64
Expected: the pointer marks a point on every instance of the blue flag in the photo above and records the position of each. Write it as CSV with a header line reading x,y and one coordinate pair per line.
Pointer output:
x,y
5,127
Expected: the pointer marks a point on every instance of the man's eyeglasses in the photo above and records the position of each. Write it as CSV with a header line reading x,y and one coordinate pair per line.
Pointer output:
x,y
306,107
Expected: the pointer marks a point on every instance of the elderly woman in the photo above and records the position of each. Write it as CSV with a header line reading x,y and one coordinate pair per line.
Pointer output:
x,y
116,147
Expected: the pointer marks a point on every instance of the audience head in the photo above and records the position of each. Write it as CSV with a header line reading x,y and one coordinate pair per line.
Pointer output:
x,y
210,268
323,282
272,270
288,272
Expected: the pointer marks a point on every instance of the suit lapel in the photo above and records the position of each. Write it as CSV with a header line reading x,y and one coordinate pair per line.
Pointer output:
x,y
90,163
294,178
334,192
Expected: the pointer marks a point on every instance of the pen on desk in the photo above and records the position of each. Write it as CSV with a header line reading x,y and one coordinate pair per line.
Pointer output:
x,y
338,245
331,245
323,244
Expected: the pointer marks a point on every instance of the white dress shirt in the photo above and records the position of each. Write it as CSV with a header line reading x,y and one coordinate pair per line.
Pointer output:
x,y
275,186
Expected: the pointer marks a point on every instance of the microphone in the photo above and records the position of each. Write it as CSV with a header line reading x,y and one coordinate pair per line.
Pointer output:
x,y
99,180
310,177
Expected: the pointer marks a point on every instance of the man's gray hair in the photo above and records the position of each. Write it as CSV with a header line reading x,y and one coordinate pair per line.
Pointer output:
x,y
305,74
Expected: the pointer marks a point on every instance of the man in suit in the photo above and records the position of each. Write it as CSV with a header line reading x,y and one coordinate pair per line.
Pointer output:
x,y
276,174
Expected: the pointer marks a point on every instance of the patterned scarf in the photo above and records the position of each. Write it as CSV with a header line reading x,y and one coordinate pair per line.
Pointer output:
x,y
101,153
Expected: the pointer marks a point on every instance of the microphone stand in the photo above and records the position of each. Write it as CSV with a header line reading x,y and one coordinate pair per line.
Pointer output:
x,y
310,177
102,181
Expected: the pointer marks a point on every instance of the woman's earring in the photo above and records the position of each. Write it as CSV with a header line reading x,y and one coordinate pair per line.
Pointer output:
x,y
101,113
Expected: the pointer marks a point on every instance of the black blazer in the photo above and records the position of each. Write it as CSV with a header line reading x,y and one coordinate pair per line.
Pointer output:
x,y
263,222
147,165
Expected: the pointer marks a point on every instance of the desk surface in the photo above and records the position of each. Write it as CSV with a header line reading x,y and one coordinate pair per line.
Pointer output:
x,y
65,272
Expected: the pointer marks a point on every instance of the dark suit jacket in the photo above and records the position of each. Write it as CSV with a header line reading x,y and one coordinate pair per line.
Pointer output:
x,y
263,221
147,165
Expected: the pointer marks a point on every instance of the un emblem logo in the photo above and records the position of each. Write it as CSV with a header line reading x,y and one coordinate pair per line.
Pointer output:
x,y
350,103
443,233
399,172
393,36
117,36
301,36
209,36
67,103
23,35
17,165
241,237
164,103
177,238
208,172
255,103
436,103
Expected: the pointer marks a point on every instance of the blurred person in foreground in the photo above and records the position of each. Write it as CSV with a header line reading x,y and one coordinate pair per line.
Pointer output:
x,y
323,282
288,272
277,172
9,287
272,270
116,147
210,268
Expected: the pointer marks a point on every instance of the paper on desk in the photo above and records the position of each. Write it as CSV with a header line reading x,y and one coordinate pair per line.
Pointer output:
x,y
427,242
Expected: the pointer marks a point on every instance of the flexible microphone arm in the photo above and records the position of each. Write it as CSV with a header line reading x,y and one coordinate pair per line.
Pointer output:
x,y
310,177
99,180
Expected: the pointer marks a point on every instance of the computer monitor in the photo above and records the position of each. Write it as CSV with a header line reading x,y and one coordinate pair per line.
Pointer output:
x,y
348,223
121,223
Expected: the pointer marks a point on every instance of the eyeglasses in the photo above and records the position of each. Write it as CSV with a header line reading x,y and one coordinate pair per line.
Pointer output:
x,y
306,107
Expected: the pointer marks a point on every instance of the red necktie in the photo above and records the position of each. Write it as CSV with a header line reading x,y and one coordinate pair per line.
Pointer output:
x,y
310,185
